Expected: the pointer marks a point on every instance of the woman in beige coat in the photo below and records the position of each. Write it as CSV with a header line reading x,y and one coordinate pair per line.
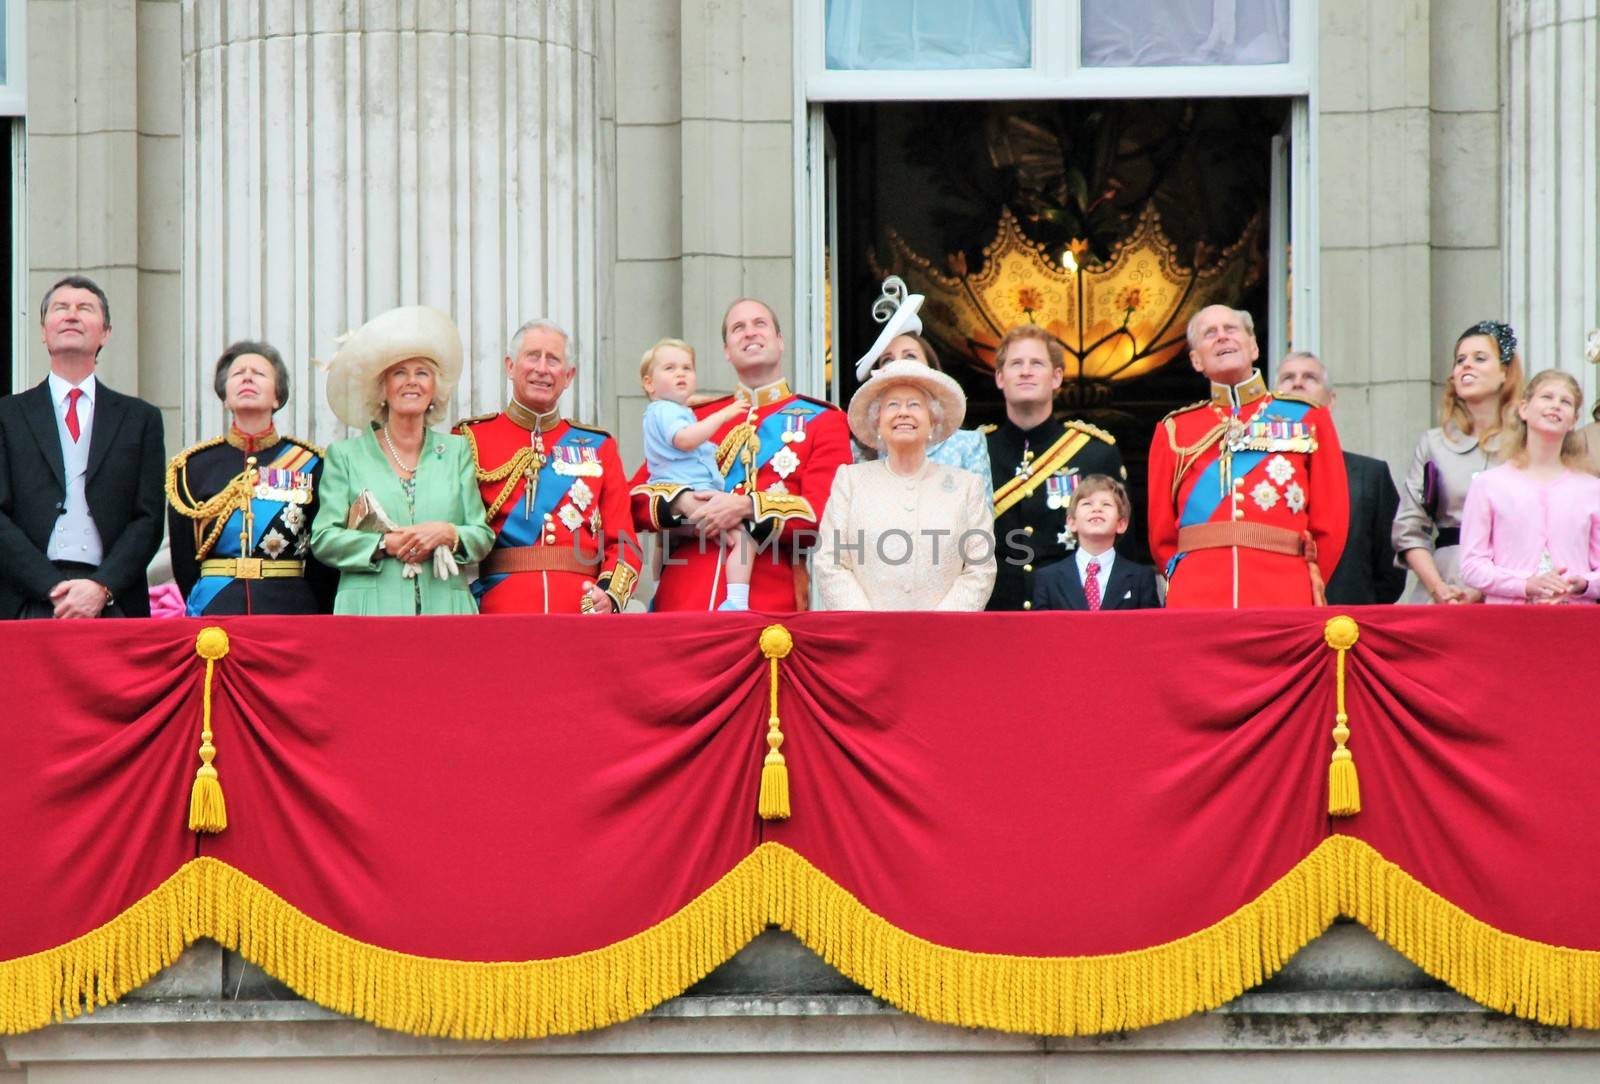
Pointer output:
x,y
901,532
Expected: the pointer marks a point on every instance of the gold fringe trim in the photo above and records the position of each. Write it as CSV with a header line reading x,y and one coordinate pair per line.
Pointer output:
x,y
1057,995
1501,971
1062,995
396,990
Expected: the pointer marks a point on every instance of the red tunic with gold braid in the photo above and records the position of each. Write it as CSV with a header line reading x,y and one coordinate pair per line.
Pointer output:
x,y
1249,500
802,444
550,538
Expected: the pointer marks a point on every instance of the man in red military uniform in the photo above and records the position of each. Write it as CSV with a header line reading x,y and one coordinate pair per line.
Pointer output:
x,y
778,464
555,491
1249,502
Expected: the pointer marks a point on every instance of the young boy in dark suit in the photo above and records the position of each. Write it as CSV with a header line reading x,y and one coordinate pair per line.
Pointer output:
x,y
1094,577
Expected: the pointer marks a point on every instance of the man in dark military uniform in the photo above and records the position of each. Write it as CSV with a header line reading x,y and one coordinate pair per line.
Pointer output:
x,y
1036,460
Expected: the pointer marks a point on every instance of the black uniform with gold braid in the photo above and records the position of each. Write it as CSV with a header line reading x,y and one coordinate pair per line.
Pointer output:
x,y
239,512
1035,471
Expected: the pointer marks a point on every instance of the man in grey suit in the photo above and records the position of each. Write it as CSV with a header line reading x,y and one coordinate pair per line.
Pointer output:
x,y
1367,573
81,507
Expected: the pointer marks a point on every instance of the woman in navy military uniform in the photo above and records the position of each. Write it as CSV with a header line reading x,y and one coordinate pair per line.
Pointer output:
x,y
240,505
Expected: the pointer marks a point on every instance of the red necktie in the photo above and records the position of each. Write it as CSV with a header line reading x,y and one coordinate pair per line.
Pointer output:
x,y
1091,584
72,412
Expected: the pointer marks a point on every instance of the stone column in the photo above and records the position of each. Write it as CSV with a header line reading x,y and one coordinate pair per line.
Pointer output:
x,y
1552,207
342,157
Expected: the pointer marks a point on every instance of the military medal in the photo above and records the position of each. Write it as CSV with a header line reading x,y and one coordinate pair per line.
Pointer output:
x,y
794,427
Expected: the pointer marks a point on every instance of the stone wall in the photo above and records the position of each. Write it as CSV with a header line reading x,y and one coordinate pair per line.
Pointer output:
x,y
702,180
104,166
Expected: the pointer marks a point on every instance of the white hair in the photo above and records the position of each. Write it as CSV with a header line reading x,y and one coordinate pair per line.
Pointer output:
x,y
514,347
1246,321
1306,355
875,414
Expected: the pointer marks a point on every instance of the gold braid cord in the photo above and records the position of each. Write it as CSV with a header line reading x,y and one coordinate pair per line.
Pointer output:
x,y
525,461
236,494
1187,455
740,444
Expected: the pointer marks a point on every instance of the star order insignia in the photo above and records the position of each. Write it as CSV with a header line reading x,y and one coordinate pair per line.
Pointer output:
x,y
1279,469
1294,498
581,494
785,462
294,517
1264,495
273,543
570,516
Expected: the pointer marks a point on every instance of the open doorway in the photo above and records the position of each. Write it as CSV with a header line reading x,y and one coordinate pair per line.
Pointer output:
x,y
1108,222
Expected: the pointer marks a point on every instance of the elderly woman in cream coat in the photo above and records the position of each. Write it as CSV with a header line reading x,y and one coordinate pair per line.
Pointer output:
x,y
400,507
902,532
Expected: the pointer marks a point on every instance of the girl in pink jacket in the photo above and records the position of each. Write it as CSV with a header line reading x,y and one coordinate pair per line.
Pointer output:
x,y
1530,531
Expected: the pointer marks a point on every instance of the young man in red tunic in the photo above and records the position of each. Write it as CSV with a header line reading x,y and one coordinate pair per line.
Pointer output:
x,y
555,491
777,463
1249,502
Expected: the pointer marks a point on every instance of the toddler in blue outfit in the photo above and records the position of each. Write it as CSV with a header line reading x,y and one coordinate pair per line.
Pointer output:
x,y
680,448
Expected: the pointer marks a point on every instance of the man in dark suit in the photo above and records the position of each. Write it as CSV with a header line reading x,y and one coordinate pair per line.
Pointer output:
x,y
1094,576
1367,573
80,476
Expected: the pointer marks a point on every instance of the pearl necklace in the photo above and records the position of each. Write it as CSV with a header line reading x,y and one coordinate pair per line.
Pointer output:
x,y
394,455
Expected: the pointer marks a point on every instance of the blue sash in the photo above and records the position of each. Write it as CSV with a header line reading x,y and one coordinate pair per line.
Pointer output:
x,y
770,434
524,526
206,588
1207,493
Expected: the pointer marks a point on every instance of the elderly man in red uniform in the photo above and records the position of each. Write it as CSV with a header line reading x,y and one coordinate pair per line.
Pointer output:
x,y
1248,496
555,491
778,464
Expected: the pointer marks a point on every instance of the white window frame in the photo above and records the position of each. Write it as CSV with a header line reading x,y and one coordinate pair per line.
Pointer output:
x,y
14,107
1055,74
1056,71
14,94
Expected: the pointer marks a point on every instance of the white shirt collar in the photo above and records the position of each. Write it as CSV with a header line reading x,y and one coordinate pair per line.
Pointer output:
x,y
59,387
1105,559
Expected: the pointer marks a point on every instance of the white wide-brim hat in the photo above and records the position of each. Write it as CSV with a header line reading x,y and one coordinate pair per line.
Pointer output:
x,y
938,387
355,375
897,312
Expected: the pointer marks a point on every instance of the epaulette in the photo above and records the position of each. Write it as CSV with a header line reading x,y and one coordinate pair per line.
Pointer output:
x,y
474,420
1186,409
308,446
1290,397
1092,430
987,429
588,428
817,402
181,460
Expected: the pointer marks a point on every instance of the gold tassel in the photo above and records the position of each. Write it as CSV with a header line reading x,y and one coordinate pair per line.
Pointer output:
x,y
773,804
208,812
1344,788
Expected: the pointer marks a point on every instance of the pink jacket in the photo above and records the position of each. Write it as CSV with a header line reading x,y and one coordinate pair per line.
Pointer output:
x,y
1510,521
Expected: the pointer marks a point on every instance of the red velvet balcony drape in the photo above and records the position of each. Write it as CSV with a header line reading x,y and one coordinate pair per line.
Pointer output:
x,y
1055,823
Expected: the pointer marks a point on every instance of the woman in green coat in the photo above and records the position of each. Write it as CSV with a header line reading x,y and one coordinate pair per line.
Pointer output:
x,y
400,507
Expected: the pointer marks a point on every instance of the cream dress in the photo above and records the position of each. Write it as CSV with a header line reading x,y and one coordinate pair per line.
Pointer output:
x,y
893,543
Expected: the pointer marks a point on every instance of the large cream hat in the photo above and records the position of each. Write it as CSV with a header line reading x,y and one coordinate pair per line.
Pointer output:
x,y
355,375
897,312
938,387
